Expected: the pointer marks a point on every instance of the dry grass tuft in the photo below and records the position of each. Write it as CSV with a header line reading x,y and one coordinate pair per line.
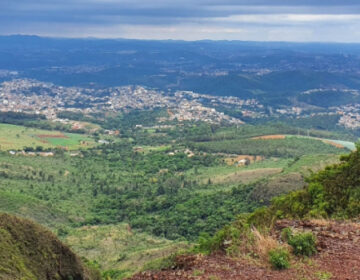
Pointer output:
x,y
320,222
263,244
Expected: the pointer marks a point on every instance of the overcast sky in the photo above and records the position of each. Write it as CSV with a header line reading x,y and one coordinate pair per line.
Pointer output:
x,y
259,20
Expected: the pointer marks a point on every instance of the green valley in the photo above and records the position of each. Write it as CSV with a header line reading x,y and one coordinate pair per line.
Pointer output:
x,y
145,194
172,159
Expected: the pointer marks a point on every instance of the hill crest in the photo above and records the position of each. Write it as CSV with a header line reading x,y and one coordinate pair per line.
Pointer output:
x,y
29,251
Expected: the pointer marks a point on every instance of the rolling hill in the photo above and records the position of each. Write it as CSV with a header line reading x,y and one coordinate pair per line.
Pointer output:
x,y
28,251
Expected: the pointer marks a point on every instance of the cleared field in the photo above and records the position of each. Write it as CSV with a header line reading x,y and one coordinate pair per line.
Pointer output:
x,y
119,248
219,173
68,140
269,137
310,162
31,208
245,176
350,145
270,168
336,143
290,146
149,149
13,137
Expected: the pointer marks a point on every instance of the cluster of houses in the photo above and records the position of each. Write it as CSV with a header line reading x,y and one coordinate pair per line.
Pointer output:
x,y
187,152
242,160
25,95
23,153
41,154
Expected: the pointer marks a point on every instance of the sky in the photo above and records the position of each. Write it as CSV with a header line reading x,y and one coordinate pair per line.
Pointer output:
x,y
253,20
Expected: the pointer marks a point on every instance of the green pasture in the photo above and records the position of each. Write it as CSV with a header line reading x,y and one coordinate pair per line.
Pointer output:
x,y
14,137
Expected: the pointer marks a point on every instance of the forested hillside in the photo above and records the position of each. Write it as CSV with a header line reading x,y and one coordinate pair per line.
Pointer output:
x,y
318,222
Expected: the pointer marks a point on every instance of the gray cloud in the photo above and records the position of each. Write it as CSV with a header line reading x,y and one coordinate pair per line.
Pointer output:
x,y
314,20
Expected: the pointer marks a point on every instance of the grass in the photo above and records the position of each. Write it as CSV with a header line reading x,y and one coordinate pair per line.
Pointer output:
x,y
14,137
118,247
26,190
347,144
198,272
48,179
225,173
323,275
31,208
28,251
148,149
245,176
271,162
290,146
269,168
263,244
313,162
71,141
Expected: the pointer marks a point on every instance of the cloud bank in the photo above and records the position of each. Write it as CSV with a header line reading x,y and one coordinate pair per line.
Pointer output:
x,y
259,20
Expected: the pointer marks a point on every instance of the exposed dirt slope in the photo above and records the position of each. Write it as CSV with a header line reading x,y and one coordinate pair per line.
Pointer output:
x,y
338,258
28,251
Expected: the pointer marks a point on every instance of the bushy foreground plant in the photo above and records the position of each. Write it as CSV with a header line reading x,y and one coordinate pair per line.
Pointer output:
x,y
279,258
230,238
303,244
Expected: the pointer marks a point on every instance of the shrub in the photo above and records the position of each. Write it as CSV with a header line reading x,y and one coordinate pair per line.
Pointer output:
x,y
279,258
353,208
62,231
286,234
228,239
319,204
163,263
115,274
303,244
205,244
261,218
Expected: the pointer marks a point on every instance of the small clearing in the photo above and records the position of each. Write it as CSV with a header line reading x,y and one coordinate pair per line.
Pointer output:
x,y
269,137
245,176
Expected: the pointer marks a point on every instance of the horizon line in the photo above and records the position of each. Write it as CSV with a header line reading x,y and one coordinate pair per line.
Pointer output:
x,y
175,40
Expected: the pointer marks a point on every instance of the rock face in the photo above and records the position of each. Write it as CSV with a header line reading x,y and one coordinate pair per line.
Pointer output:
x,y
28,251
338,258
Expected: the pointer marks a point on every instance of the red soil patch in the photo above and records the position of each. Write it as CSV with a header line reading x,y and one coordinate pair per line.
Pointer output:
x,y
269,137
338,254
337,145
